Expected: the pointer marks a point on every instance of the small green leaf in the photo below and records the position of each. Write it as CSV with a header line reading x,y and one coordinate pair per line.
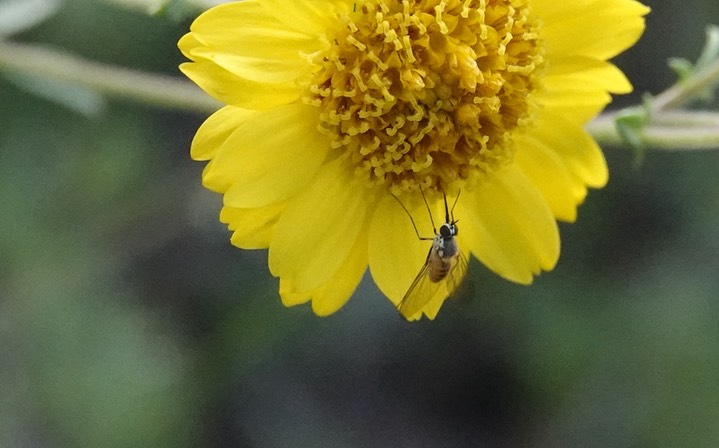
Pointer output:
x,y
629,124
682,68
710,52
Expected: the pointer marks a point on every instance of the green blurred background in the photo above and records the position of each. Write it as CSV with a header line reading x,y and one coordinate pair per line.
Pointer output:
x,y
128,320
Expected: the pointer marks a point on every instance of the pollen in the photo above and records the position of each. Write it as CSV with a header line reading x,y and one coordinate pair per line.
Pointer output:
x,y
428,93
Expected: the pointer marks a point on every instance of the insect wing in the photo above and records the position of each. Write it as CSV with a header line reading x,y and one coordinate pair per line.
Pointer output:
x,y
456,273
419,293
422,290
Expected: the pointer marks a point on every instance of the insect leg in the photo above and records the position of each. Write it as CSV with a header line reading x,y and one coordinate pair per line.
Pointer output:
x,y
434,228
409,215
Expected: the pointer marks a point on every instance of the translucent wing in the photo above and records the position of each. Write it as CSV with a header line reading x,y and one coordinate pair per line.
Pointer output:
x,y
456,274
422,290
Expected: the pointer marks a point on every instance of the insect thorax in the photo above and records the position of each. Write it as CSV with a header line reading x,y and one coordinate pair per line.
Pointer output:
x,y
445,247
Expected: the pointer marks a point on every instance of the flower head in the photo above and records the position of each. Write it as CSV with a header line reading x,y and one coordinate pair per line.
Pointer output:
x,y
343,117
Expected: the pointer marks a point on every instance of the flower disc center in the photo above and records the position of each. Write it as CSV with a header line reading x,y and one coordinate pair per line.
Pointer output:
x,y
426,93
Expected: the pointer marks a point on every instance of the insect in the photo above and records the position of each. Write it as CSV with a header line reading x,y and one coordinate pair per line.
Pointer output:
x,y
445,263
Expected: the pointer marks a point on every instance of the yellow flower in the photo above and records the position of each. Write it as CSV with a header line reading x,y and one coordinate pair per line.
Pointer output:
x,y
336,106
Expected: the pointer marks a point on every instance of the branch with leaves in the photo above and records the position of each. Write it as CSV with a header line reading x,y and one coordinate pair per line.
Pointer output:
x,y
669,120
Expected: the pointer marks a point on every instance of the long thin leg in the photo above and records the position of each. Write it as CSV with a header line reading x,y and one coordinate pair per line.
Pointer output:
x,y
434,228
412,219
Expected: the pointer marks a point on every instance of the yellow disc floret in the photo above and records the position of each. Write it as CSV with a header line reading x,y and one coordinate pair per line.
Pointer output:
x,y
425,93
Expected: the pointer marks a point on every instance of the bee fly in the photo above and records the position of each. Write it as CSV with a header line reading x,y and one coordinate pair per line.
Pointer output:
x,y
445,263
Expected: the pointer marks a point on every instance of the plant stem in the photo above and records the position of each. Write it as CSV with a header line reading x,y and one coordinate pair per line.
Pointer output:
x,y
668,131
159,90
683,92
668,127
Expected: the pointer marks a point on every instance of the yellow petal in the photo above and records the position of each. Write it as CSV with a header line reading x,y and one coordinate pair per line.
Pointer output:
x,y
312,17
510,227
589,74
600,29
576,149
552,10
231,89
243,39
248,29
270,158
216,129
188,43
252,227
334,294
576,104
318,229
431,310
290,296
261,70
562,191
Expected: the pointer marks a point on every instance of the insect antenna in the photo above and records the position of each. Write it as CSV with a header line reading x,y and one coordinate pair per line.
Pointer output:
x,y
451,211
409,215
446,210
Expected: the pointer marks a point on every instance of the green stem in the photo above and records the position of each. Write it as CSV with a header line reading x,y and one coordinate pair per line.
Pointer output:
x,y
159,90
667,131
683,92
667,127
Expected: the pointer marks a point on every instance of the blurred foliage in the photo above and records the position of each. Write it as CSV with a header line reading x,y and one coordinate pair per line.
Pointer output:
x,y
127,319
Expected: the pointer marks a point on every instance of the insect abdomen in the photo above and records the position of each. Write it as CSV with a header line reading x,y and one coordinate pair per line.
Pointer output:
x,y
439,269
